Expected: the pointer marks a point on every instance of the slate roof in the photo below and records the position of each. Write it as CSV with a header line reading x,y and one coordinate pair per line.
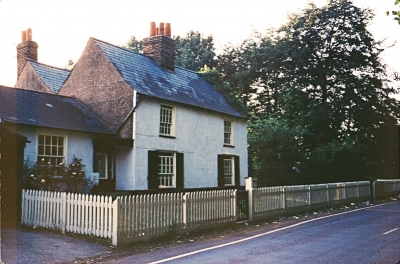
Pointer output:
x,y
183,86
53,77
47,110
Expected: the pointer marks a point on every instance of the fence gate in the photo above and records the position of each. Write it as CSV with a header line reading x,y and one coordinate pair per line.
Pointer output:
x,y
242,205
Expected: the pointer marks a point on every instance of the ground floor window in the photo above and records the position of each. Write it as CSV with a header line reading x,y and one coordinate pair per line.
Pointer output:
x,y
51,153
228,170
165,170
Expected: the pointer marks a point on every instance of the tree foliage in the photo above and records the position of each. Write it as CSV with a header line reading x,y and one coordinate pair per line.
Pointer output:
x,y
321,72
396,14
134,44
194,51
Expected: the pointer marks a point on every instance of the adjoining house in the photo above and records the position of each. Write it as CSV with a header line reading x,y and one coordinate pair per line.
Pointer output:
x,y
165,126
11,161
57,127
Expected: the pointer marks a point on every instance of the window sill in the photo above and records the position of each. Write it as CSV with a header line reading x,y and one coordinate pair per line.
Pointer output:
x,y
166,136
229,146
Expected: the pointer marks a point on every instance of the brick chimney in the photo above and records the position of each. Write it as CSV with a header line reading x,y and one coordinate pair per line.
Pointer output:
x,y
27,49
161,46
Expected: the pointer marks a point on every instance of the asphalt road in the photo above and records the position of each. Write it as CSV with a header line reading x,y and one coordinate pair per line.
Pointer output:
x,y
364,235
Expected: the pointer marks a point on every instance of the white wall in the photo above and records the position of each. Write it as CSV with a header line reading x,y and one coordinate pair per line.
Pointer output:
x,y
199,134
125,168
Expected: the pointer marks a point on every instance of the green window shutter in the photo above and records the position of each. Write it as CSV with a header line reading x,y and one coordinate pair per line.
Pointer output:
x,y
237,171
220,171
152,177
180,180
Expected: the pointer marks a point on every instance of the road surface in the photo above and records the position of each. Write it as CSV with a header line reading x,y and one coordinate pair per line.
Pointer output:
x,y
364,235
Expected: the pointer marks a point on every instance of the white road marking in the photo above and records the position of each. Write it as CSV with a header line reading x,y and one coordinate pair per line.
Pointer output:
x,y
390,231
259,235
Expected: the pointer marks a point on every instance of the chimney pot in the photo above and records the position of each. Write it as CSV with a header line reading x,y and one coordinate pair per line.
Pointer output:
x,y
152,29
23,36
161,29
168,29
29,34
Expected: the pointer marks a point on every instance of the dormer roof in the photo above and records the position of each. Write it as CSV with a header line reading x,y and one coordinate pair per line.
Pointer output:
x,y
52,77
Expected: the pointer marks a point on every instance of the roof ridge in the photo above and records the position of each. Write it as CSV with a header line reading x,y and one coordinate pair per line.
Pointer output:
x,y
116,46
50,66
32,91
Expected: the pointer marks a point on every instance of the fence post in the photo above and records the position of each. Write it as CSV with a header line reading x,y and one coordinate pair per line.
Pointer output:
x,y
309,195
234,204
184,211
249,189
23,213
284,198
63,211
374,190
327,193
114,234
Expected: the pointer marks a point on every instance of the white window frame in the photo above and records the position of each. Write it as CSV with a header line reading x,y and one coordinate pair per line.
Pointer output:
x,y
102,168
169,121
167,170
42,158
229,171
228,132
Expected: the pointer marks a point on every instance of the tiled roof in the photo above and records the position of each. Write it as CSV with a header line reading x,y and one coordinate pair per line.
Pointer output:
x,y
183,86
47,110
53,77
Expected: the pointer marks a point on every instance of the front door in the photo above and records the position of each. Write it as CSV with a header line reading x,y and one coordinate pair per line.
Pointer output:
x,y
104,164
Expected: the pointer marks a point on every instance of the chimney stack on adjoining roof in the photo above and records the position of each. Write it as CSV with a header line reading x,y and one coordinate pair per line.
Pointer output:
x,y
27,49
161,46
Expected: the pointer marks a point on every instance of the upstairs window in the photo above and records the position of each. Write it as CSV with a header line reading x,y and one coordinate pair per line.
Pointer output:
x,y
228,136
51,153
166,121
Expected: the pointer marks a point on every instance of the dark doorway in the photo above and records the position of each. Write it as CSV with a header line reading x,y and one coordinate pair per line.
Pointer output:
x,y
11,163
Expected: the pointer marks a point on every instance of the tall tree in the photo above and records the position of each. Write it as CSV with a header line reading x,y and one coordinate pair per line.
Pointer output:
x,y
194,51
329,65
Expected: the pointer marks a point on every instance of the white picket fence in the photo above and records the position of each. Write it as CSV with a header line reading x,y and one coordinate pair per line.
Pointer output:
x,y
384,188
139,216
269,201
127,218
68,212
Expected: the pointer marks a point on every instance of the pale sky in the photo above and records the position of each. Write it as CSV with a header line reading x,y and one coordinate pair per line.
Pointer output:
x,y
62,27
